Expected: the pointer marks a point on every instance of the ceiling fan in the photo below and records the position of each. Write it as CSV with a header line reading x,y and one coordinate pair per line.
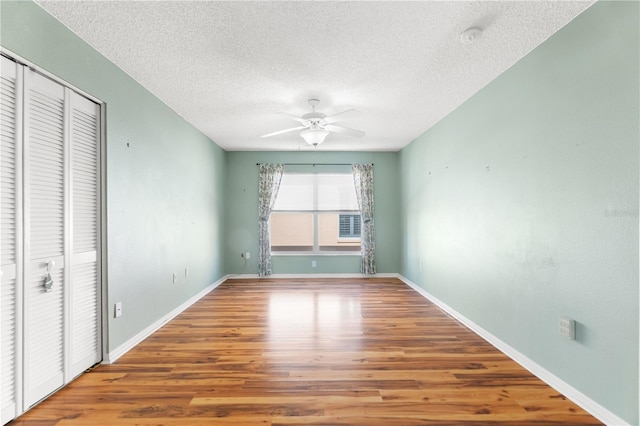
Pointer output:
x,y
316,126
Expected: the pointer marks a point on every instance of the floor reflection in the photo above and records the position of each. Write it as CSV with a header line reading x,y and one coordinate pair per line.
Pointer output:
x,y
313,319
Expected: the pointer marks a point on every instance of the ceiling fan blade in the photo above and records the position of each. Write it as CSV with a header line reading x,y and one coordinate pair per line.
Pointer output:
x,y
283,131
345,130
338,113
293,117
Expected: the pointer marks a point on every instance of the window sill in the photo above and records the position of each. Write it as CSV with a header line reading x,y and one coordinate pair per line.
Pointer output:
x,y
349,240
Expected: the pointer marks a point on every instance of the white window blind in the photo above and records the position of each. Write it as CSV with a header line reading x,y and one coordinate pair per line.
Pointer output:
x,y
316,192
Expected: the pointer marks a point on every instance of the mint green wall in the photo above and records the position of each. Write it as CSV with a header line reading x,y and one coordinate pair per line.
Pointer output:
x,y
522,206
242,212
165,192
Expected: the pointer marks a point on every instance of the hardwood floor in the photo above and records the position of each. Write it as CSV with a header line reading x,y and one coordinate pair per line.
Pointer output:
x,y
310,352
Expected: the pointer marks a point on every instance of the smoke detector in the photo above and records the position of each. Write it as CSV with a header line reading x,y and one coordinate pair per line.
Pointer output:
x,y
470,35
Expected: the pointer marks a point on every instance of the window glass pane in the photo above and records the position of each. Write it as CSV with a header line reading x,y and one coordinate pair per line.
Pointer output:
x,y
329,238
291,232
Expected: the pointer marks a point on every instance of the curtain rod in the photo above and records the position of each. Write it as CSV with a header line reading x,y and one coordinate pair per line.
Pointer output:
x,y
315,164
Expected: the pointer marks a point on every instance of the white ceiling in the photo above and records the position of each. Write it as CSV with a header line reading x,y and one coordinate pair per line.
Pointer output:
x,y
228,66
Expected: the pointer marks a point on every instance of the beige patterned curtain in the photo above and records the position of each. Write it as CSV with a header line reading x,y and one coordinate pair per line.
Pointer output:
x,y
269,178
363,180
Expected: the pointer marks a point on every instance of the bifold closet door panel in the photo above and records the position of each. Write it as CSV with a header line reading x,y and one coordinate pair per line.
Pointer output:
x,y
9,237
50,297
44,236
85,349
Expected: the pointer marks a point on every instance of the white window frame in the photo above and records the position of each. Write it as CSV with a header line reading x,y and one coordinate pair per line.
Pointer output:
x,y
315,212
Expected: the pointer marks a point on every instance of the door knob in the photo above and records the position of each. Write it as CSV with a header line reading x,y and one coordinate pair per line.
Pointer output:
x,y
48,280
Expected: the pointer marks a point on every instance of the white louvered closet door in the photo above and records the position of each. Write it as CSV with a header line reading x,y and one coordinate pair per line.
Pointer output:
x,y
44,230
84,317
9,256
50,257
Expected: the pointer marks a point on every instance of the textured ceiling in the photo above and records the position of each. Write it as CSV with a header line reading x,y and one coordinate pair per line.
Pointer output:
x,y
227,67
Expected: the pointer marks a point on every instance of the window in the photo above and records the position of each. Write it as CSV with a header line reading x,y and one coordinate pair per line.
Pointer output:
x,y
349,226
308,215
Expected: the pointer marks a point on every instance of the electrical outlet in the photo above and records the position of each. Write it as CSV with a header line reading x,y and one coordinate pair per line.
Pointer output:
x,y
175,278
117,310
247,255
568,328
313,263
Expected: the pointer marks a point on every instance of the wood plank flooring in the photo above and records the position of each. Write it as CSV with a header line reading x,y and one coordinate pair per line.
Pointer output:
x,y
310,352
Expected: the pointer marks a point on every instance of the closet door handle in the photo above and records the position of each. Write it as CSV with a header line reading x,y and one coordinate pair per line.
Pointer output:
x,y
48,280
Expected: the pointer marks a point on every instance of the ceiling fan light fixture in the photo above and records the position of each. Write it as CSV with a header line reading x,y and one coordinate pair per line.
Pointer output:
x,y
316,125
314,136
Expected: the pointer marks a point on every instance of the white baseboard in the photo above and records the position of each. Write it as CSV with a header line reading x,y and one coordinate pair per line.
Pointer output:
x,y
586,403
113,355
345,275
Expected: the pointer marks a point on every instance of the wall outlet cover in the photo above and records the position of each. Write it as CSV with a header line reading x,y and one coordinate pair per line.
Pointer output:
x,y
567,328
